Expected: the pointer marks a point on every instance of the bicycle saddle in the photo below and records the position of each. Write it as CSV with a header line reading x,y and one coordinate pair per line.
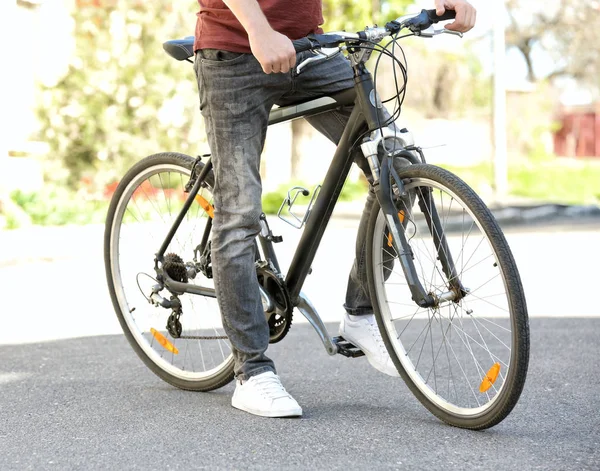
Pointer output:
x,y
180,49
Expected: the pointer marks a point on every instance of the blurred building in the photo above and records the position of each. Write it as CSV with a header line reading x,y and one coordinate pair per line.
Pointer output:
x,y
579,134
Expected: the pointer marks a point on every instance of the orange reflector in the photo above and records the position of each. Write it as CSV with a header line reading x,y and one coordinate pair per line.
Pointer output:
x,y
160,338
389,237
206,206
490,378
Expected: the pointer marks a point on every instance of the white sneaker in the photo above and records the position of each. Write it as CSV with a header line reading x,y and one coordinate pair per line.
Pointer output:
x,y
264,395
363,332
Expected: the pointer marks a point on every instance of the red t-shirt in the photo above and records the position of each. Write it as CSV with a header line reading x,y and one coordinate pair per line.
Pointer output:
x,y
218,28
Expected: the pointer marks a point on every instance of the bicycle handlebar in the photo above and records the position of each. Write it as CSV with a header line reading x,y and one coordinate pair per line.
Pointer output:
x,y
427,18
434,18
302,45
415,23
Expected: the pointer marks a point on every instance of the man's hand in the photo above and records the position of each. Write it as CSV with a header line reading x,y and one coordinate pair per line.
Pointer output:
x,y
465,14
273,50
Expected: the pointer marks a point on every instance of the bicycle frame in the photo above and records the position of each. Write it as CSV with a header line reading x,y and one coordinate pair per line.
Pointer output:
x,y
366,116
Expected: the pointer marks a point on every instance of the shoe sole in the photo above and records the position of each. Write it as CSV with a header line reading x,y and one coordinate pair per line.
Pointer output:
x,y
271,414
374,363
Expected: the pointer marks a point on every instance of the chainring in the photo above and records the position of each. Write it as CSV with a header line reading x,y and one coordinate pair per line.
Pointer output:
x,y
280,319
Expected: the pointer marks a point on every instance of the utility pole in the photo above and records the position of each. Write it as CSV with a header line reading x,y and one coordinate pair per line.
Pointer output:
x,y
500,150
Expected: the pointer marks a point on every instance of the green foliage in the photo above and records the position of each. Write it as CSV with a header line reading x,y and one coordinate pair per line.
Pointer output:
x,y
10,222
556,180
56,206
356,14
271,201
121,97
13,217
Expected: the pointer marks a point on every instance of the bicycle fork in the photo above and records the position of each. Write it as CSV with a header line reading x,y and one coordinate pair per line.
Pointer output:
x,y
383,174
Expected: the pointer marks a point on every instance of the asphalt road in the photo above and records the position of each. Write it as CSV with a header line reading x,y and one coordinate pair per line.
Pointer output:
x,y
73,394
89,403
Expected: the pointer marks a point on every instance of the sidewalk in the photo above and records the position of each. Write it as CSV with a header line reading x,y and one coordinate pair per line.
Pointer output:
x,y
56,282
50,243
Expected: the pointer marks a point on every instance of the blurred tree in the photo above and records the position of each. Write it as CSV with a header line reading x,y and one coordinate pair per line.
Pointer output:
x,y
122,97
567,30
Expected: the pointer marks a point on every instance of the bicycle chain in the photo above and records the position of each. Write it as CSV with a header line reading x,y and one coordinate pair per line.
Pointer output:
x,y
204,337
174,328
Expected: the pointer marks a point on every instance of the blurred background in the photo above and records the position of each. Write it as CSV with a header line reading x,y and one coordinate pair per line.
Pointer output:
x,y
513,108
87,90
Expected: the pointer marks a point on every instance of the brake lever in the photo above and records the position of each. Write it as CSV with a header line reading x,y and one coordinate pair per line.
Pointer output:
x,y
431,32
323,54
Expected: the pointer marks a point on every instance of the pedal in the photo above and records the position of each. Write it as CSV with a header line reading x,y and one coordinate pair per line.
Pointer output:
x,y
346,348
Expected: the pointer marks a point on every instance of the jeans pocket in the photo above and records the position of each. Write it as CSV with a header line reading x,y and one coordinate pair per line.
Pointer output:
x,y
220,58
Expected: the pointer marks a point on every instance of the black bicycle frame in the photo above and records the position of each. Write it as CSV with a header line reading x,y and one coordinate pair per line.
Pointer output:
x,y
366,116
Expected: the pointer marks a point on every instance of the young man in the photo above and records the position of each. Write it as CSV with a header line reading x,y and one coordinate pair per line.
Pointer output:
x,y
244,57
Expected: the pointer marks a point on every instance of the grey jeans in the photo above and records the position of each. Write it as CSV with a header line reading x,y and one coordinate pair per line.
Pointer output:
x,y
235,99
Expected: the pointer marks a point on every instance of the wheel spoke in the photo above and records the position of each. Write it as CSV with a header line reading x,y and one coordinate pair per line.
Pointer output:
x,y
461,365
143,212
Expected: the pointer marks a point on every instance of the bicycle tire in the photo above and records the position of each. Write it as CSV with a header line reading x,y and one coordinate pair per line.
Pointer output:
x,y
142,178
504,326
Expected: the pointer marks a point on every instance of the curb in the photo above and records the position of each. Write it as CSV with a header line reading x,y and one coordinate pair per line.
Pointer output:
x,y
545,213
512,215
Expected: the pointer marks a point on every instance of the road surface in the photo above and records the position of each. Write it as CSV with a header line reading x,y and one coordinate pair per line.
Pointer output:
x,y
73,395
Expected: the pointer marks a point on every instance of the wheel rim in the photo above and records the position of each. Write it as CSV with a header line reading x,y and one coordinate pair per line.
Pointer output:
x,y
145,212
447,352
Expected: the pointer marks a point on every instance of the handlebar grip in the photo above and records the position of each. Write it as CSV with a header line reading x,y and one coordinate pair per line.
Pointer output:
x,y
448,15
302,45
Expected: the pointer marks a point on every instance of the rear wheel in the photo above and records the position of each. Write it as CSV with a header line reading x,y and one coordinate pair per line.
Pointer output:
x,y
142,210
465,360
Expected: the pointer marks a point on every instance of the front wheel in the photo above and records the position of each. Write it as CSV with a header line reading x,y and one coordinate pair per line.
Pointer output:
x,y
466,359
192,352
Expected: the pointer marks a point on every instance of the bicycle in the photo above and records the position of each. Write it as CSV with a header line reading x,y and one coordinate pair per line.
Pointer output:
x,y
453,318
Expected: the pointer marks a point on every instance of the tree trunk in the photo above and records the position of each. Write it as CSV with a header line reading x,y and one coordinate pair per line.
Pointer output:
x,y
300,131
526,51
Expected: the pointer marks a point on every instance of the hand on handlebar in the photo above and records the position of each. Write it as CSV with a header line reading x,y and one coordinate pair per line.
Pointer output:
x,y
465,14
273,50
327,45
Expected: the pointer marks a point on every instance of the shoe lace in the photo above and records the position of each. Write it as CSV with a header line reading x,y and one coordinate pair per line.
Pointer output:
x,y
270,386
378,338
